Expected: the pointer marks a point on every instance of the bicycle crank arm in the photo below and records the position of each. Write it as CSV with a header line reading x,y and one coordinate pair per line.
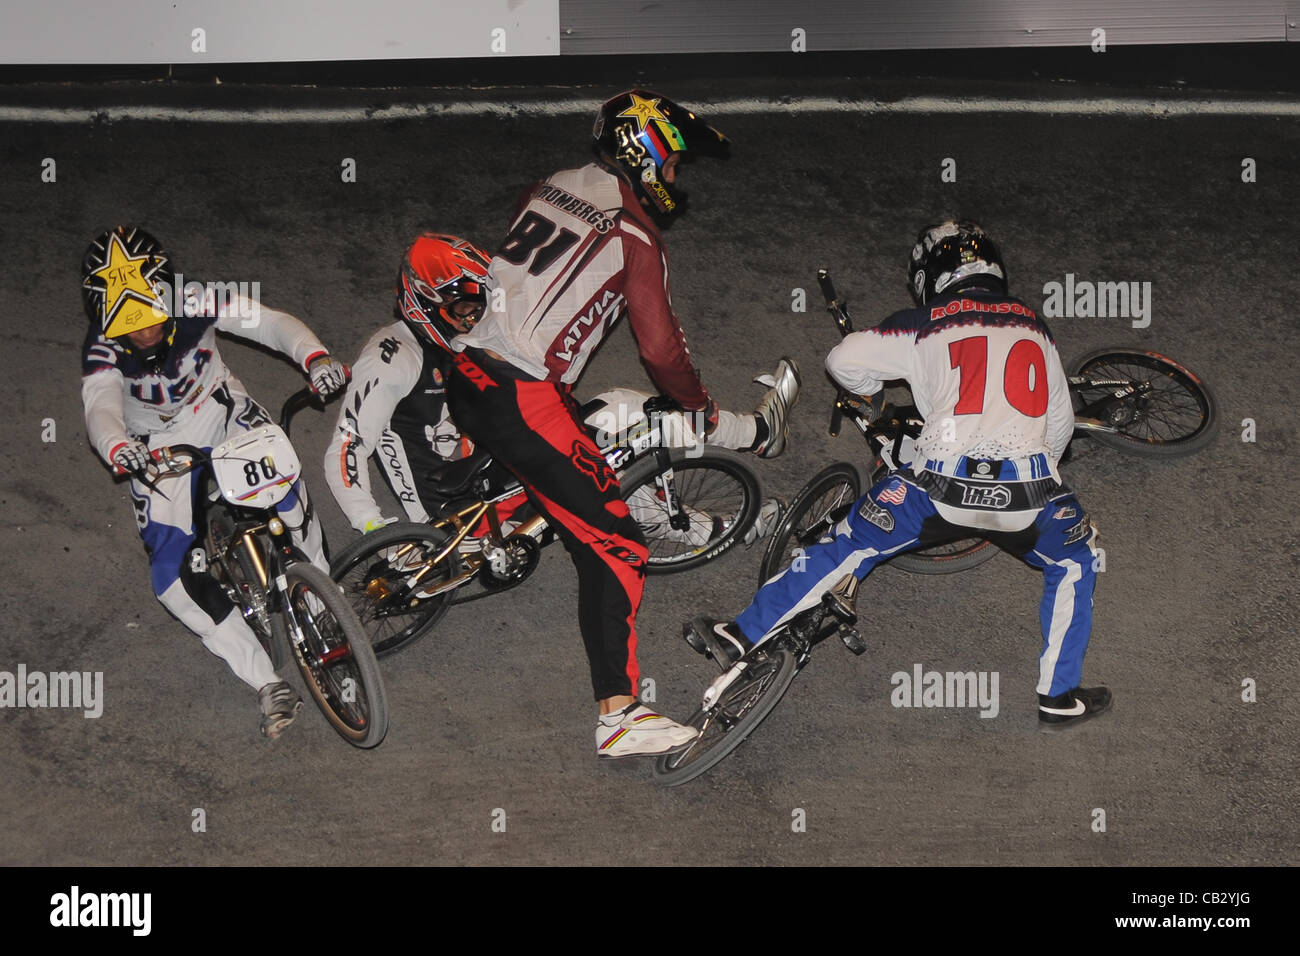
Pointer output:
x,y
720,684
458,581
1092,425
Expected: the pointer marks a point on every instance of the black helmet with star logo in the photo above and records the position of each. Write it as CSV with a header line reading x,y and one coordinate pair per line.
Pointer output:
x,y
638,131
126,287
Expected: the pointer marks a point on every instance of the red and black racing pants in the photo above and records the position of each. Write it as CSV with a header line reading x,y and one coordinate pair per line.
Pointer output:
x,y
535,429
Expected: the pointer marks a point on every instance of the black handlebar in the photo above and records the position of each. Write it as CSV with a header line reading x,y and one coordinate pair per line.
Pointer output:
x,y
839,312
296,403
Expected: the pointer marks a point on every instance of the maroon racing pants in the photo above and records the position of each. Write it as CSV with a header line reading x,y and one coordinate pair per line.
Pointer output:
x,y
535,429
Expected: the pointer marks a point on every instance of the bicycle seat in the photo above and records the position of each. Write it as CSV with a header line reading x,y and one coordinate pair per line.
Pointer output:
x,y
454,478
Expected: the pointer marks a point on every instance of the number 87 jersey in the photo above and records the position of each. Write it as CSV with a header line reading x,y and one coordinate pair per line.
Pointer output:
x,y
580,254
984,373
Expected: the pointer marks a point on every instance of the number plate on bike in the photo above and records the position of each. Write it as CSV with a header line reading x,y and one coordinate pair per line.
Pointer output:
x,y
256,469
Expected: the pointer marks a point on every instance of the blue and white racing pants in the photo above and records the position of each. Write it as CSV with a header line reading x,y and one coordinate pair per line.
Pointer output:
x,y
896,515
165,518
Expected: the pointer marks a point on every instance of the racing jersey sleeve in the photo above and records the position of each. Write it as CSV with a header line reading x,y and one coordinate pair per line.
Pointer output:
x,y
1060,410
658,333
102,399
277,330
865,360
381,377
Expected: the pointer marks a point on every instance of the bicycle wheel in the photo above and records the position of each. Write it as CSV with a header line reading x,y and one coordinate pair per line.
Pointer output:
x,y
813,512
947,558
718,493
335,658
737,714
1175,417
375,572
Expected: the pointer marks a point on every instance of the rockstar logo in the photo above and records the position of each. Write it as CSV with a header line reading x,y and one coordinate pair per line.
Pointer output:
x,y
130,303
643,111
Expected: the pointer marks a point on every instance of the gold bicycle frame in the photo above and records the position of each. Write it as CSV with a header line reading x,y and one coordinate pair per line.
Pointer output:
x,y
459,525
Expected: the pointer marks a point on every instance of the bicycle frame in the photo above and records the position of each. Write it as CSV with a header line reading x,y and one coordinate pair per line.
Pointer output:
x,y
629,445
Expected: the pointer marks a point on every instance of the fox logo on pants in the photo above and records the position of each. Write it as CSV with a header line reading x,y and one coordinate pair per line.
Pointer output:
x,y
591,463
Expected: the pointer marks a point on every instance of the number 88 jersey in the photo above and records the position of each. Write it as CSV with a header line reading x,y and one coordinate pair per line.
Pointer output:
x,y
984,373
580,255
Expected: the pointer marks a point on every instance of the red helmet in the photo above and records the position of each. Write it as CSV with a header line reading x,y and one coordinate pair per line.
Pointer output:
x,y
438,274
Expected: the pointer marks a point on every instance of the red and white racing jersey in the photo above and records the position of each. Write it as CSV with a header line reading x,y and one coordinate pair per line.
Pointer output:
x,y
984,373
581,254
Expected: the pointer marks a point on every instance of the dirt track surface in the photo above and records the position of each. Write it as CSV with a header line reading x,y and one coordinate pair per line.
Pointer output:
x,y
494,711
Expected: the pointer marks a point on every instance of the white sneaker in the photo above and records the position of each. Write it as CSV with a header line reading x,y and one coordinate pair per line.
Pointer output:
x,y
280,705
768,516
639,730
775,407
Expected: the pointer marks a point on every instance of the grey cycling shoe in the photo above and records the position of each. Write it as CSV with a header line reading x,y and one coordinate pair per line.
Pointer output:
x,y
280,705
775,407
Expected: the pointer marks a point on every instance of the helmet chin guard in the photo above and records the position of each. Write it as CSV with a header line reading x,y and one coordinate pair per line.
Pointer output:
x,y
439,272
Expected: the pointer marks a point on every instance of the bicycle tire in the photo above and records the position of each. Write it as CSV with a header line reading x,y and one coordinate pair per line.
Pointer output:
x,y
713,484
961,554
743,706
1177,418
359,712
392,623
809,516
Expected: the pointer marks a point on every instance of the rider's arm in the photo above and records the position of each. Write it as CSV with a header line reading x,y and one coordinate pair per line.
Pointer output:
x,y
1060,410
101,396
864,361
659,335
376,388
270,327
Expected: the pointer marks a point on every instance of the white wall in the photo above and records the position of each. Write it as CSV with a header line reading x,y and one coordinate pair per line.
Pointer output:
x,y
243,31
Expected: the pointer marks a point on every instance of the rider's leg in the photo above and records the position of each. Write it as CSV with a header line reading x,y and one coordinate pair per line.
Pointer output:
x,y
1064,550
189,593
886,520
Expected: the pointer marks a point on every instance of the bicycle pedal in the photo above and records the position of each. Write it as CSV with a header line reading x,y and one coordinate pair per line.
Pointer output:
x,y
840,608
853,640
694,640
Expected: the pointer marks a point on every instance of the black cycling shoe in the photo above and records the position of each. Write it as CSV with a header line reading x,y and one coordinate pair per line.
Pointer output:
x,y
1071,708
720,641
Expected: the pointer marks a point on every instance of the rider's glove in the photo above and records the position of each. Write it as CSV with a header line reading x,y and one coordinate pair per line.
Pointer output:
x,y
374,524
872,404
328,375
130,458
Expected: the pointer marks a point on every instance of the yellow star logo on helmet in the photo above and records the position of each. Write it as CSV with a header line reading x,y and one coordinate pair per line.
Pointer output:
x,y
130,303
643,111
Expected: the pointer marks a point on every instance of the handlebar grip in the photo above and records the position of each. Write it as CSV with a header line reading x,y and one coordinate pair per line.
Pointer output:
x,y
828,287
837,420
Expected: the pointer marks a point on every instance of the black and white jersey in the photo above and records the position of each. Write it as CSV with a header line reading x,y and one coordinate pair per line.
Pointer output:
x,y
395,410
